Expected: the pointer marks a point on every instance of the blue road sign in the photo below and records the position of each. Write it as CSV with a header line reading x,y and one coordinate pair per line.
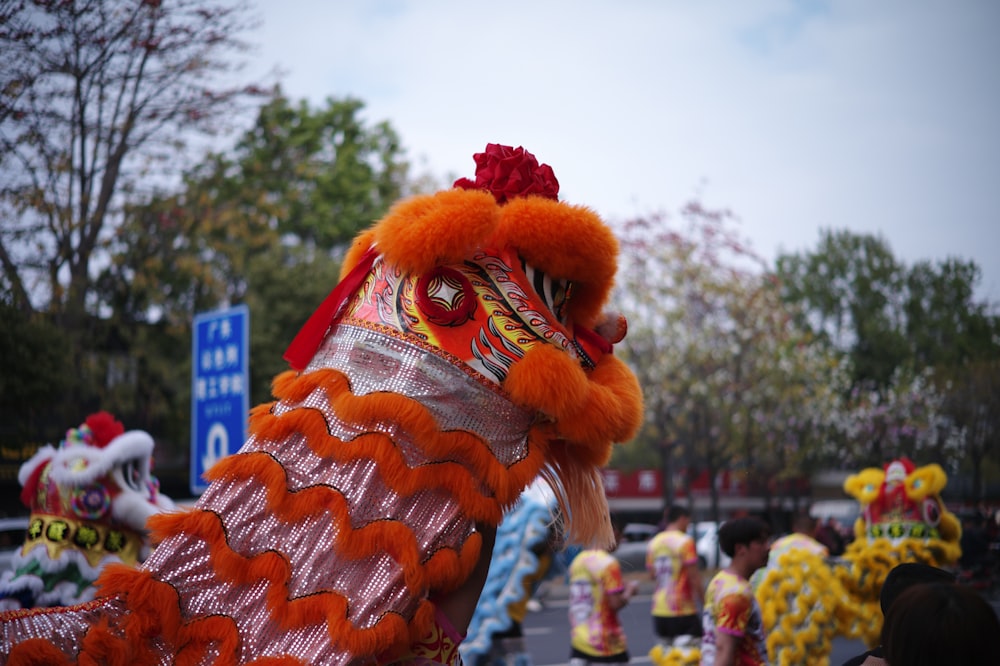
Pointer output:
x,y
220,388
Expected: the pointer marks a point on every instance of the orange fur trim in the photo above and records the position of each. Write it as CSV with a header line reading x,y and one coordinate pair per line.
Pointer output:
x,y
392,537
612,410
547,380
445,568
154,606
112,650
327,606
464,562
591,410
566,242
361,244
427,620
443,228
36,652
589,413
404,480
217,632
238,569
154,612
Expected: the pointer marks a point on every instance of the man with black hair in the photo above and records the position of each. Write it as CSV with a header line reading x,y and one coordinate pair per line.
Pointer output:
x,y
800,539
732,622
900,578
672,562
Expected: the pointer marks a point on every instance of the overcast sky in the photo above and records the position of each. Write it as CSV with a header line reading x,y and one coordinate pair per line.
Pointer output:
x,y
878,116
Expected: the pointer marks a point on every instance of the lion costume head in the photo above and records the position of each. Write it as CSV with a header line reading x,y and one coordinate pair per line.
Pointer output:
x,y
464,353
903,501
89,500
903,519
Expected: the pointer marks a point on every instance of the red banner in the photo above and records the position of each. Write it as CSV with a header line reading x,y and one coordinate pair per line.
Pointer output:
x,y
649,483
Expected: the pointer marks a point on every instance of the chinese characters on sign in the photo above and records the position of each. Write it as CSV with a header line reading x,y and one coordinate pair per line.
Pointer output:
x,y
221,368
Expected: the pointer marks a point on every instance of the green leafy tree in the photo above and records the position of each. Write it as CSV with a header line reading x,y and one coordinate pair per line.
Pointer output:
x,y
34,361
849,290
972,422
322,174
917,340
263,224
945,325
855,293
281,297
95,98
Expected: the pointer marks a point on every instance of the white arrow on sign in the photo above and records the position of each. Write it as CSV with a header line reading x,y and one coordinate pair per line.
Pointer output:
x,y
216,446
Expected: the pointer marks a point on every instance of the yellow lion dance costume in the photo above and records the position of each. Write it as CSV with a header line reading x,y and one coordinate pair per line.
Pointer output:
x,y
806,601
463,354
903,520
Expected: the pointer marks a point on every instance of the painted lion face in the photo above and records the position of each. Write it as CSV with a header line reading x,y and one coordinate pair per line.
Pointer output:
x,y
99,473
510,286
903,501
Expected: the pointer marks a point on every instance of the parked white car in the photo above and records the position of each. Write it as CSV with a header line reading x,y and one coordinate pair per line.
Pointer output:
x,y
631,551
706,544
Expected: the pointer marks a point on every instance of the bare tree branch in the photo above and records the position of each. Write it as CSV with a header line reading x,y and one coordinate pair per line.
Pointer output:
x,y
95,93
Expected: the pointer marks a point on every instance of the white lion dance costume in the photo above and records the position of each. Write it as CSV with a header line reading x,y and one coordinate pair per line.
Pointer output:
x,y
89,500
806,600
464,353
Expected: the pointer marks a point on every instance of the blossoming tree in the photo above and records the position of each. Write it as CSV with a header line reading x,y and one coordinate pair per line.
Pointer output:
x,y
730,380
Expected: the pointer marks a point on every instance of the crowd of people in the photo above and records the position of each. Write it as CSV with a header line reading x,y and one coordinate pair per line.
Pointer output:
x,y
930,619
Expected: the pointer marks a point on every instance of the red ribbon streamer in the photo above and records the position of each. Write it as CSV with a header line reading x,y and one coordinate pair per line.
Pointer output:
x,y
311,335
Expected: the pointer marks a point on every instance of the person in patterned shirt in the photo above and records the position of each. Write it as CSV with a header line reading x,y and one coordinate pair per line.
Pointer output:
x,y
801,538
597,593
672,562
803,526
732,622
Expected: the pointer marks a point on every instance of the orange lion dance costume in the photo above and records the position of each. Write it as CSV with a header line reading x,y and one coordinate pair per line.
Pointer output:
x,y
457,360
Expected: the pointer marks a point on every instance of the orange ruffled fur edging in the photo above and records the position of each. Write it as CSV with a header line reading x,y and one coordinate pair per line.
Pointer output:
x,y
586,413
154,609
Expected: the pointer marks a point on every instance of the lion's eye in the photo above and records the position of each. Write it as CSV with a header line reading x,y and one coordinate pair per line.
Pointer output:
x,y
132,475
554,293
932,512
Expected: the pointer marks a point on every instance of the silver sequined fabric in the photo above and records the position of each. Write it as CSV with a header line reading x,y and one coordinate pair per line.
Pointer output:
x,y
373,586
377,361
62,627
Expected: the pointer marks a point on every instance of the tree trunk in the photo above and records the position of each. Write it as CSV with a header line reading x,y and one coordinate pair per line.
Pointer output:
x,y
667,470
977,478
